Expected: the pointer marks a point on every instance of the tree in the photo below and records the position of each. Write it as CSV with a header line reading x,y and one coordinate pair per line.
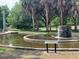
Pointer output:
x,y
65,9
6,9
1,18
49,10
14,14
62,8
18,18
46,9
32,6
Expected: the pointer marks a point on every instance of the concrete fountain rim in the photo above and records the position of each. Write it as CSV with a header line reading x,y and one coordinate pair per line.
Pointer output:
x,y
37,40
29,39
56,37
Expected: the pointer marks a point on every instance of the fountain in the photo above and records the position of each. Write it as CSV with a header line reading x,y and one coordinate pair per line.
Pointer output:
x,y
64,32
63,38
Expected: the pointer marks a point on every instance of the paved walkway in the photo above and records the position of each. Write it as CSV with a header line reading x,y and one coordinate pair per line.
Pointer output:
x,y
28,54
61,55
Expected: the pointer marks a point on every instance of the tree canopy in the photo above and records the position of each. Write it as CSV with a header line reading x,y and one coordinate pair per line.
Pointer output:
x,y
28,14
46,9
18,18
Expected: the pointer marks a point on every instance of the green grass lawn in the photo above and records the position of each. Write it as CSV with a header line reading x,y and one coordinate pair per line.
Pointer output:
x,y
4,50
32,32
42,30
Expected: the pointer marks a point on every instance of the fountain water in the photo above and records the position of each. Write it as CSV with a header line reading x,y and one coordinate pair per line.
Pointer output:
x,y
64,32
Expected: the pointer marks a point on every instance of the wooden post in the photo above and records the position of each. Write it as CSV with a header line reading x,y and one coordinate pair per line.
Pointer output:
x,y
55,47
47,47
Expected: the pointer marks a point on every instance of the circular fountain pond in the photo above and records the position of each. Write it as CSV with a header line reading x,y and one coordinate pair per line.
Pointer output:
x,y
40,39
35,41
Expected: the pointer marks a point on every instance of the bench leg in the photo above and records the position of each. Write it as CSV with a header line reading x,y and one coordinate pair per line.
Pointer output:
x,y
55,46
47,48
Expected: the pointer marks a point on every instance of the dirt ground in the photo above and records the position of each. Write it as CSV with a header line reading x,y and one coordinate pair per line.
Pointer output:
x,y
35,54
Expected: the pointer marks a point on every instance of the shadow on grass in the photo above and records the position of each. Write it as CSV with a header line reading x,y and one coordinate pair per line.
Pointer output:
x,y
48,31
75,30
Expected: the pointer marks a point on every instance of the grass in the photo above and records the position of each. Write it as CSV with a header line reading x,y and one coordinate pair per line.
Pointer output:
x,y
42,31
2,50
5,50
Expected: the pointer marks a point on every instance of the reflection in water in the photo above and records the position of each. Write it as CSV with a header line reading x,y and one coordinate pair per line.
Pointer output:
x,y
67,45
17,40
3,39
6,39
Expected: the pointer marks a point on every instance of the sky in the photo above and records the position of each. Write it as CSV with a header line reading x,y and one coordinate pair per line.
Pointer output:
x,y
9,3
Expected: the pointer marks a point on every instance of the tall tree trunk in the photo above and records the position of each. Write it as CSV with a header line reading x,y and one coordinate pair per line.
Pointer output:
x,y
36,24
50,26
75,25
61,13
76,16
4,22
61,18
47,18
75,29
33,19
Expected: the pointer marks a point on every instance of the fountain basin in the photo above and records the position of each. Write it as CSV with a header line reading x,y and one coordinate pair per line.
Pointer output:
x,y
34,42
38,38
8,32
63,43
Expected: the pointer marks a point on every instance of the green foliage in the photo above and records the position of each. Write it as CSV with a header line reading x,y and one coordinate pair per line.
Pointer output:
x,y
56,21
18,18
25,23
2,50
13,17
5,50
69,21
